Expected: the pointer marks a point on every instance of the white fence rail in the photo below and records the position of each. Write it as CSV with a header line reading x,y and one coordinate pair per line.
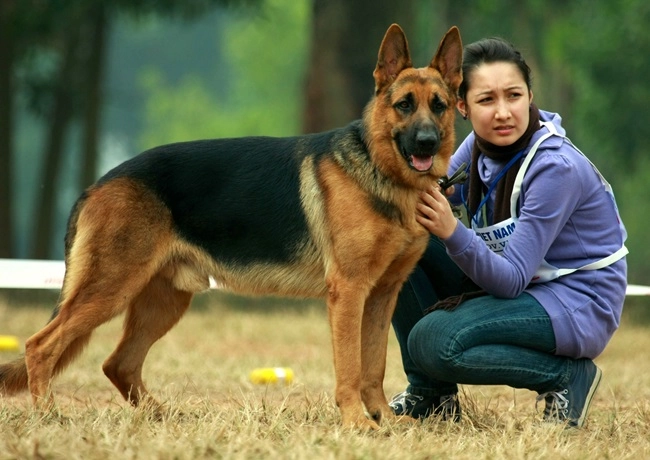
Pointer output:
x,y
35,274
48,274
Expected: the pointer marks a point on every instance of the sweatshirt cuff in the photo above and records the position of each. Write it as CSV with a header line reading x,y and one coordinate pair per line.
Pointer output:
x,y
460,240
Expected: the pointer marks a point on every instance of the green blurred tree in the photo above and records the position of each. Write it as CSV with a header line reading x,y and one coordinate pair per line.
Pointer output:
x,y
344,45
265,56
69,88
7,45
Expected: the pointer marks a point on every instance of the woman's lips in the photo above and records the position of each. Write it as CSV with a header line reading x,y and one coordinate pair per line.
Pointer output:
x,y
504,130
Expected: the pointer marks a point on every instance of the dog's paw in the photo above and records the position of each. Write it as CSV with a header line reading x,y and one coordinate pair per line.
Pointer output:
x,y
360,423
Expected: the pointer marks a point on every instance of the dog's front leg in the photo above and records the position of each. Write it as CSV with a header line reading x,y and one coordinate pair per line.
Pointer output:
x,y
377,315
345,308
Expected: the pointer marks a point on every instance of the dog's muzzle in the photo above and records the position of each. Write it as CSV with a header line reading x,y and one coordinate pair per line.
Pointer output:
x,y
420,148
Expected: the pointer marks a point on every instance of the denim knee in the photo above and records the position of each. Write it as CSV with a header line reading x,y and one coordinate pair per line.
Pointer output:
x,y
431,346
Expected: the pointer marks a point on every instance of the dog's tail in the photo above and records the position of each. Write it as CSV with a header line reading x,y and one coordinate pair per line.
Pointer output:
x,y
13,375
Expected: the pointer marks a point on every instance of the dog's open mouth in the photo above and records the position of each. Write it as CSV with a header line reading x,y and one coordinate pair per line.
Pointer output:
x,y
421,163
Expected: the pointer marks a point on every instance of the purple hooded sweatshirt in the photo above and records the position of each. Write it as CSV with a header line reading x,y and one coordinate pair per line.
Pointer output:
x,y
567,217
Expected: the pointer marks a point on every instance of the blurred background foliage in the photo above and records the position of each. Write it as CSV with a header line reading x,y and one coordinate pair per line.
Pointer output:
x,y
85,84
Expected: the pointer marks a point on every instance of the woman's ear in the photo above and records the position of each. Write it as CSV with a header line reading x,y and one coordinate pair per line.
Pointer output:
x,y
530,96
462,108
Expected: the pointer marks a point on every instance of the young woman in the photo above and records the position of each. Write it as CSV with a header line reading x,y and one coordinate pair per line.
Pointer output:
x,y
533,291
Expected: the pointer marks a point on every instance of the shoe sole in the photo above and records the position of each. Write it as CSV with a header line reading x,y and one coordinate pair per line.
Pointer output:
x,y
594,386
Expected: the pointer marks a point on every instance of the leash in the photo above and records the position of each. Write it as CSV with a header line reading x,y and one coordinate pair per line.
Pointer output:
x,y
459,176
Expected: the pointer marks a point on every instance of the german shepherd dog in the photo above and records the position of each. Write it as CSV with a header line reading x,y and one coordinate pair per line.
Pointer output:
x,y
328,215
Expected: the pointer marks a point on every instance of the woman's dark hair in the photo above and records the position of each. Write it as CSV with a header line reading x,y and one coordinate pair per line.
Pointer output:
x,y
487,51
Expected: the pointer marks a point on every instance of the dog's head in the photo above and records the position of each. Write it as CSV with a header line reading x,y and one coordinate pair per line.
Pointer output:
x,y
413,110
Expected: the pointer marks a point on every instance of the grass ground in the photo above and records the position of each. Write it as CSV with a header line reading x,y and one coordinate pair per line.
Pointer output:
x,y
201,370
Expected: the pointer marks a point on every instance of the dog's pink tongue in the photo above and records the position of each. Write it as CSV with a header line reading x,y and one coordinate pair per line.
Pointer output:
x,y
422,163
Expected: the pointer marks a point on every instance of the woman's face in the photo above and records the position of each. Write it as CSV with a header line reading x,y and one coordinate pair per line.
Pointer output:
x,y
497,102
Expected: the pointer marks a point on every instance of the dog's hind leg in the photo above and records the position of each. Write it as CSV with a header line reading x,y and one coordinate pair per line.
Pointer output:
x,y
50,350
117,240
154,311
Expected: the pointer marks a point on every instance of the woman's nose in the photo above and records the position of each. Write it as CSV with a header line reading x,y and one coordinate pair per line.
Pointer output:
x,y
502,110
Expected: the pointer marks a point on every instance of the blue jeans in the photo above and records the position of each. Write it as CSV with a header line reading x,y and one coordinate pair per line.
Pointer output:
x,y
484,341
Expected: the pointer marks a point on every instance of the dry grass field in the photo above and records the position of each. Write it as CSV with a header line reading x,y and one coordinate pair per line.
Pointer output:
x,y
201,370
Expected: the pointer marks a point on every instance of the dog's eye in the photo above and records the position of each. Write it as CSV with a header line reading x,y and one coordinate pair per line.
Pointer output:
x,y
438,105
403,105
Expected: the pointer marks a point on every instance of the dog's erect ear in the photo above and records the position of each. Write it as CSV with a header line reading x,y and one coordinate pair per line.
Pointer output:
x,y
449,58
393,57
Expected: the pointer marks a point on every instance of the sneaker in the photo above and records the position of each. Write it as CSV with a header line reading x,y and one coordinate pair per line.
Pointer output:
x,y
416,406
570,405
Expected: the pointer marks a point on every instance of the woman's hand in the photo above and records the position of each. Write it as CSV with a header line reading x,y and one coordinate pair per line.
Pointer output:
x,y
435,214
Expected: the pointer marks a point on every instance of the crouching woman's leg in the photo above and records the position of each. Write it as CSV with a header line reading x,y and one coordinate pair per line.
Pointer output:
x,y
489,341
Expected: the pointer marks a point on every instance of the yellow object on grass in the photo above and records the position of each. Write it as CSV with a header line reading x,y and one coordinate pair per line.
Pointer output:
x,y
272,375
9,343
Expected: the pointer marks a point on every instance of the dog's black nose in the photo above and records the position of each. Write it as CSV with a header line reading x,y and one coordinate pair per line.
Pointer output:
x,y
427,139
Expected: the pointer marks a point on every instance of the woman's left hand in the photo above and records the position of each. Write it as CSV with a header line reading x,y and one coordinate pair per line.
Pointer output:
x,y
435,214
